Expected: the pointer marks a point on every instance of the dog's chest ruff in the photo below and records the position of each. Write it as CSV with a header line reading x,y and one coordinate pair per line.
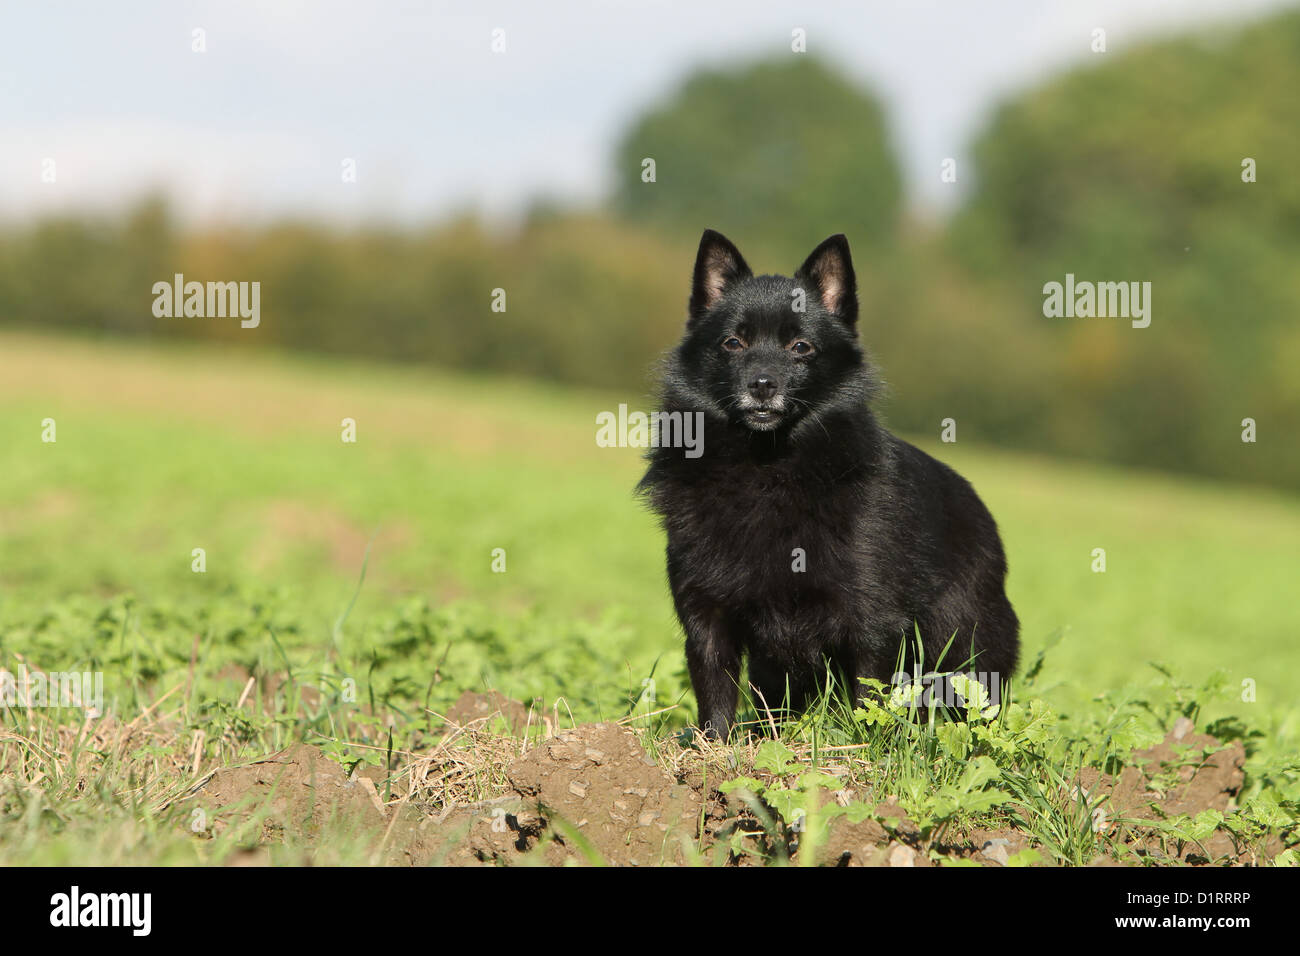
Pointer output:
x,y
765,542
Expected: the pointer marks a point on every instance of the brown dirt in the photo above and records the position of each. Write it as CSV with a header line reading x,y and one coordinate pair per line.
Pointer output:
x,y
597,786
592,794
1186,773
891,840
298,790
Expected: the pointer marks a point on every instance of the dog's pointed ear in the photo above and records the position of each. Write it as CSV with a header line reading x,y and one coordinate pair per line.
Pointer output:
x,y
829,270
717,265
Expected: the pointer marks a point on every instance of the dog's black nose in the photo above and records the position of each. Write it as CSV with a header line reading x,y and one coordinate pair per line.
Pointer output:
x,y
762,388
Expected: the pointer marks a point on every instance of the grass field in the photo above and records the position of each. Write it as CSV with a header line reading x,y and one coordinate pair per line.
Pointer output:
x,y
370,565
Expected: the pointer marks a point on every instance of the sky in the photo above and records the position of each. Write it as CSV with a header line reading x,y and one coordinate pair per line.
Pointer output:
x,y
258,125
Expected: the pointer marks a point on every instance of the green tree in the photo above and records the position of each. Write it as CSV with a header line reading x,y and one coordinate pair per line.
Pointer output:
x,y
778,154
1132,170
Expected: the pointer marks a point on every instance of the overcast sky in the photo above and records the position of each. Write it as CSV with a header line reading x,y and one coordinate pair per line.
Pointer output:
x,y
258,125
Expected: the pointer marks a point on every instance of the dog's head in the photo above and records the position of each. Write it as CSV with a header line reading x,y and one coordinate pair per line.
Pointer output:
x,y
769,351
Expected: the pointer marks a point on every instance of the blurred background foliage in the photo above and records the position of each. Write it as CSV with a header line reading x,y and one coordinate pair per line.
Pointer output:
x,y
1126,171
769,154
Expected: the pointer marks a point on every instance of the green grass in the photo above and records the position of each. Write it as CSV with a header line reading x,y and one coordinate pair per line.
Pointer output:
x,y
161,451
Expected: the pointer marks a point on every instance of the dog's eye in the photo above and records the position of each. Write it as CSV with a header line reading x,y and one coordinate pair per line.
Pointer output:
x,y
802,348
733,344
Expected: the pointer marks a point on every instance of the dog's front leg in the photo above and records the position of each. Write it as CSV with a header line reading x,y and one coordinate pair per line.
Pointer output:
x,y
713,658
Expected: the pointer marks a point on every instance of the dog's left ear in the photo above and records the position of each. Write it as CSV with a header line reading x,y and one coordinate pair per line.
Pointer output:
x,y
829,270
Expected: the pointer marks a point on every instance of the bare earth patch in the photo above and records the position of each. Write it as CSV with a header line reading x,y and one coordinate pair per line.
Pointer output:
x,y
298,790
593,795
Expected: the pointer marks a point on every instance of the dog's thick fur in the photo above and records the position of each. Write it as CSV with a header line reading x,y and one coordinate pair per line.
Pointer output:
x,y
806,534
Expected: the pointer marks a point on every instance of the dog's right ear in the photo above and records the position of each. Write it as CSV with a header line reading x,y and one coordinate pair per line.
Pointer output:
x,y
717,265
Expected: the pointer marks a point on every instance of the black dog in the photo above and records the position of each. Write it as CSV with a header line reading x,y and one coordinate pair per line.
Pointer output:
x,y
805,534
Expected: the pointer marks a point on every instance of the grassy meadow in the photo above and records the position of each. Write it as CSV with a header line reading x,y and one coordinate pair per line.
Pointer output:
x,y
370,565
